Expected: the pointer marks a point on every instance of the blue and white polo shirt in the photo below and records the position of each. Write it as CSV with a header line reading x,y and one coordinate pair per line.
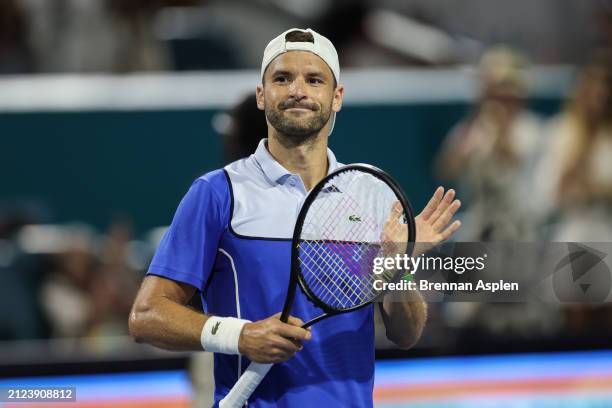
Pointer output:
x,y
231,239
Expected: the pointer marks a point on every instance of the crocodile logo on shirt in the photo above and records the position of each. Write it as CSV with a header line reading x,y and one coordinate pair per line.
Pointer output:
x,y
215,328
354,218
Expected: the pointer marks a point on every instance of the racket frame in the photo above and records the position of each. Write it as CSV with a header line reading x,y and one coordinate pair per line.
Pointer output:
x,y
296,272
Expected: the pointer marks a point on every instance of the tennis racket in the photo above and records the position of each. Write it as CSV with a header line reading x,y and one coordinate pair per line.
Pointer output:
x,y
354,215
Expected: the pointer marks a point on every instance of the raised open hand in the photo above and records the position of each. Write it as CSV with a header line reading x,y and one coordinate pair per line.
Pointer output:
x,y
432,224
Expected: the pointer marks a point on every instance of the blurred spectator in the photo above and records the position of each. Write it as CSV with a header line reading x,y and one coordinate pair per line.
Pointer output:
x,y
549,31
65,293
577,167
243,127
490,151
574,178
88,292
115,283
138,48
94,35
15,53
21,276
604,17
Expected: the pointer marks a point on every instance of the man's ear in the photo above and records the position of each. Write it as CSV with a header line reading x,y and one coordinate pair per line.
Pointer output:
x,y
338,98
259,95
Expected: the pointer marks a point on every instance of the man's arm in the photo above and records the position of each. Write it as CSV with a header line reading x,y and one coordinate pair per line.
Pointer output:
x,y
160,317
405,318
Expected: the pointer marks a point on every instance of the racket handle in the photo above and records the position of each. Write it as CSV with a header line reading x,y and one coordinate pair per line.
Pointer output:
x,y
245,386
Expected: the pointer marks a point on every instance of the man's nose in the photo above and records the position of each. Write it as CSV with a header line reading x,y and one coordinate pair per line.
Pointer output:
x,y
297,89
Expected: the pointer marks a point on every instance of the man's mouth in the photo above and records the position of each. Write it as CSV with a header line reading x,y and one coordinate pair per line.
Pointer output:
x,y
298,109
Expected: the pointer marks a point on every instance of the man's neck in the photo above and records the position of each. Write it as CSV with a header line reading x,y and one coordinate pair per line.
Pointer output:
x,y
309,160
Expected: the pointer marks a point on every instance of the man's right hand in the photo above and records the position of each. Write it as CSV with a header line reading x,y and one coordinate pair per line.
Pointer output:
x,y
272,341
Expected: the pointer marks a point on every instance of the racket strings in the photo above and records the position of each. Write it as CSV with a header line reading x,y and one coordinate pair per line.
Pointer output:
x,y
346,270
341,238
330,278
330,283
360,276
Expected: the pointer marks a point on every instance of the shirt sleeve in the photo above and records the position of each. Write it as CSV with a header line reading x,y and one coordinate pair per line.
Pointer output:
x,y
188,249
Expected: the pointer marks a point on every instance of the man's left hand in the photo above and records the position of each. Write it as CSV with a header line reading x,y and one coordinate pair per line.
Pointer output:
x,y
432,224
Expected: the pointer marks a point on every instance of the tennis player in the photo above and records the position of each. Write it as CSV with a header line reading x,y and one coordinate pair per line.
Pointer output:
x,y
230,239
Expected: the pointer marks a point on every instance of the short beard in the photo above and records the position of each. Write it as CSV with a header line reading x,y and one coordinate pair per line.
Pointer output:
x,y
295,132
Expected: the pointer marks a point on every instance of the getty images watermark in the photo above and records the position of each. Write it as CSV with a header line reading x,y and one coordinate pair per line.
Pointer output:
x,y
458,265
557,272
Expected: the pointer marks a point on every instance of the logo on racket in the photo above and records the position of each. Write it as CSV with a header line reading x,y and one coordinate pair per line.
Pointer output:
x,y
331,189
215,328
354,218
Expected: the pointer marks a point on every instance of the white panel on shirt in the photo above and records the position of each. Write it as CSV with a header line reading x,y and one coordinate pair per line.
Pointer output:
x,y
265,209
262,209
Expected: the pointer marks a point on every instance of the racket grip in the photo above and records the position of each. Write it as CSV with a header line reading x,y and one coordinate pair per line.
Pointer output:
x,y
245,386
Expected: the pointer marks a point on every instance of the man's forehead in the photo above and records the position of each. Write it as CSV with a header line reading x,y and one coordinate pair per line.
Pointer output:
x,y
299,59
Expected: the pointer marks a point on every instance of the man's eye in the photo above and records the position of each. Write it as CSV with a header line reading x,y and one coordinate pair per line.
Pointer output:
x,y
315,81
280,79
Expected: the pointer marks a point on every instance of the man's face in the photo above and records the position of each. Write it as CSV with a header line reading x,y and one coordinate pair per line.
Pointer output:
x,y
299,95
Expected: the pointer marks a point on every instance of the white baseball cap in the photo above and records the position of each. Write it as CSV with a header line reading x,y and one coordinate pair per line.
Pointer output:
x,y
321,47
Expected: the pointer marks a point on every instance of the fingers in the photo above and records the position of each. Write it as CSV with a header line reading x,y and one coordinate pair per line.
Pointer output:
x,y
292,329
394,230
446,216
433,222
277,355
276,349
442,206
272,341
286,345
394,215
287,338
294,321
396,212
446,234
431,206
292,332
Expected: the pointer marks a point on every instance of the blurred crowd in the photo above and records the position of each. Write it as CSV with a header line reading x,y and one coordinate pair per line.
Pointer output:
x,y
527,179
66,281
57,36
524,178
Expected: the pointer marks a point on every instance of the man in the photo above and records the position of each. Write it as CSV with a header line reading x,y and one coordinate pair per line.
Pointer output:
x,y
230,239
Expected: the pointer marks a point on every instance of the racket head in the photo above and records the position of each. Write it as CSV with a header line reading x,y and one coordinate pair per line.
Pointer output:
x,y
341,228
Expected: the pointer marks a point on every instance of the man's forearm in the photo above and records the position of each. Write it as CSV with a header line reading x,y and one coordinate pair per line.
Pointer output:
x,y
404,317
167,324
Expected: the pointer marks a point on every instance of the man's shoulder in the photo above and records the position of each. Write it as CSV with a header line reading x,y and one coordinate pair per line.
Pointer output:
x,y
213,177
219,182
213,185
222,176
244,166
